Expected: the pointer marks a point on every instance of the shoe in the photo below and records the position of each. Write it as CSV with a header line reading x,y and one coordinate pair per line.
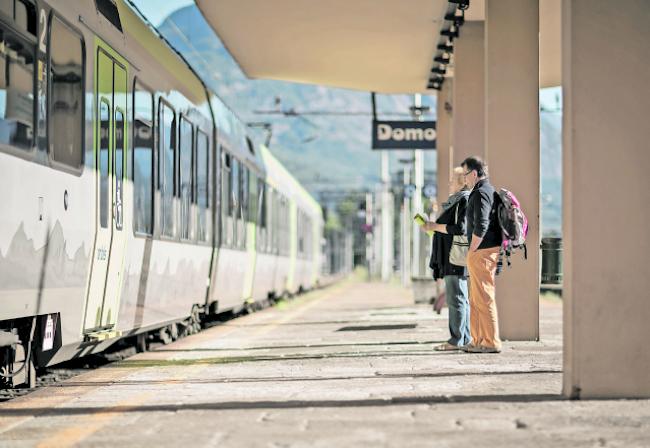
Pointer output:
x,y
483,349
446,347
467,348
490,350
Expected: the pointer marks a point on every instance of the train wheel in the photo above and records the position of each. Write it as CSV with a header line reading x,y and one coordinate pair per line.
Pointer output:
x,y
195,319
173,331
164,335
141,343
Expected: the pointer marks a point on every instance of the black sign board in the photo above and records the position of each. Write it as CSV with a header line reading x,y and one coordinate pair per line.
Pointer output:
x,y
403,134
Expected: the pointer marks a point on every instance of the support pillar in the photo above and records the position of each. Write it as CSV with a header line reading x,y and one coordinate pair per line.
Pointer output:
x,y
512,148
420,246
443,139
469,93
606,182
386,220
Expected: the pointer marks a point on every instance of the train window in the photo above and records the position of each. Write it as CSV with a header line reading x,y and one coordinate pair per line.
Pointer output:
x,y
167,158
243,208
7,7
286,227
22,13
201,194
104,133
243,192
301,234
143,161
234,201
234,188
225,187
16,91
282,226
66,102
185,148
25,16
119,167
252,197
226,198
277,224
262,204
108,9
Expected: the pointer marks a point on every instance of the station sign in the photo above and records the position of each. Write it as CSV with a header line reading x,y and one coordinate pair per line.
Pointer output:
x,y
403,134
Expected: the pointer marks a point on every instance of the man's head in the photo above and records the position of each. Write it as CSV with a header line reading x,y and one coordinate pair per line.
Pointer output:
x,y
475,170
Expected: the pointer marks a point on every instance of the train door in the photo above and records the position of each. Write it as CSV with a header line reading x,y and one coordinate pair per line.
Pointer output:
x,y
110,172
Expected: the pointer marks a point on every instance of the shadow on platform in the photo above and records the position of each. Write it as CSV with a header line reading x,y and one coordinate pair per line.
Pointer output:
x,y
289,404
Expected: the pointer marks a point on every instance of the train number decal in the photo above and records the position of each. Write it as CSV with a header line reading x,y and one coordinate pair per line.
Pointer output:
x,y
102,254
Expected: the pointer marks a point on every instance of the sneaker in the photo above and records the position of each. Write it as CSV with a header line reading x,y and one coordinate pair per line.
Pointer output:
x,y
468,348
483,349
446,347
490,350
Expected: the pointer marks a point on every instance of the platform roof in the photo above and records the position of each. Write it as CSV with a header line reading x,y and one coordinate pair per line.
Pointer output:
x,y
385,46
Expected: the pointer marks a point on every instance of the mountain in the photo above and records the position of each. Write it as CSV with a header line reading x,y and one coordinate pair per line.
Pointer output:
x,y
322,151
328,152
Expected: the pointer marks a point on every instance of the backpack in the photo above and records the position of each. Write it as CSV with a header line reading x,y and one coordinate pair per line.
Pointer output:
x,y
514,226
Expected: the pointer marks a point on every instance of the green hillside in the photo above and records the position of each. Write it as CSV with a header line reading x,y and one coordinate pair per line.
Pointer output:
x,y
327,152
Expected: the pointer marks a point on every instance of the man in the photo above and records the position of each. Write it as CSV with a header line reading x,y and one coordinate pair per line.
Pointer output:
x,y
485,240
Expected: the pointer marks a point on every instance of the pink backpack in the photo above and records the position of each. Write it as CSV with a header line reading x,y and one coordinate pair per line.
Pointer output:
x,y
514,226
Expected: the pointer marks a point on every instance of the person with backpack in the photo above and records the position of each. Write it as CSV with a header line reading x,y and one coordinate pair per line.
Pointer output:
x,y
485,238
448,260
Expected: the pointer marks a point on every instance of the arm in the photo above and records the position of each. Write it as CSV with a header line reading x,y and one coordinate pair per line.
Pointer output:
x,y
481,221
432,226
460,226
476,242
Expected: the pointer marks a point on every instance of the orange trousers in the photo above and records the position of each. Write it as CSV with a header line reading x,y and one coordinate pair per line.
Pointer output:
x,y
484,322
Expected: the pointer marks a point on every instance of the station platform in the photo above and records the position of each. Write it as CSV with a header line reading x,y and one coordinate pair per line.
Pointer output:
x,y
349,365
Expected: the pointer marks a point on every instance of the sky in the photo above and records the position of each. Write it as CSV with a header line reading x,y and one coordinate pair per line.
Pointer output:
x,y
156,11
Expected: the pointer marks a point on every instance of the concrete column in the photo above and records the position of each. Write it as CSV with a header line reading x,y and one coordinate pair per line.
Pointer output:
x,y
418,266
406,231
512,148
469,93
605,73
443,139
386,220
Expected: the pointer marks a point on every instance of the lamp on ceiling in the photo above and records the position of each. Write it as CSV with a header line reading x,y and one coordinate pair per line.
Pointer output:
x,y
458,17
441,60
451,32
446,48
462,4
439,70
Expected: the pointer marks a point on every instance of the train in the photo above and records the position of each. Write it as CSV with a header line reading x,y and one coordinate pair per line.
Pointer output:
x,y
133,199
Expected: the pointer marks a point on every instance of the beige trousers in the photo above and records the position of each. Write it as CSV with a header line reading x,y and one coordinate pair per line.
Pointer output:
x,y
484,322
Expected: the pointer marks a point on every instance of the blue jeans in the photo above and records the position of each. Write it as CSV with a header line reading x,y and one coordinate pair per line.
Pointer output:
x,y
458,304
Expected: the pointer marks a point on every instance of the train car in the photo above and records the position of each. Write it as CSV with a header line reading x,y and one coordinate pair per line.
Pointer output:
x,y
133,200
295,264
240,173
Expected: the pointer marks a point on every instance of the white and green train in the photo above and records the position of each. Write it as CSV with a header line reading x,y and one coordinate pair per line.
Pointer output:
x,y
132,198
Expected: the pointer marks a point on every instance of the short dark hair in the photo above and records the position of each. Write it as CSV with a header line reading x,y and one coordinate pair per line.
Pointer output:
x,y
475,163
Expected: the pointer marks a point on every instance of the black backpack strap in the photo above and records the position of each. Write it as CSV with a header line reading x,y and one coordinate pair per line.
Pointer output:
x,y
499,263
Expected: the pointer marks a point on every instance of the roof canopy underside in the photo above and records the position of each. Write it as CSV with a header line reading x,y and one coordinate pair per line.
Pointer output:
x,y
385,46
372,45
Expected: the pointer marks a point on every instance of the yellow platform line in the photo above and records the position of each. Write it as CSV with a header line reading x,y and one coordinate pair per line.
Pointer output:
x,y
90,424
